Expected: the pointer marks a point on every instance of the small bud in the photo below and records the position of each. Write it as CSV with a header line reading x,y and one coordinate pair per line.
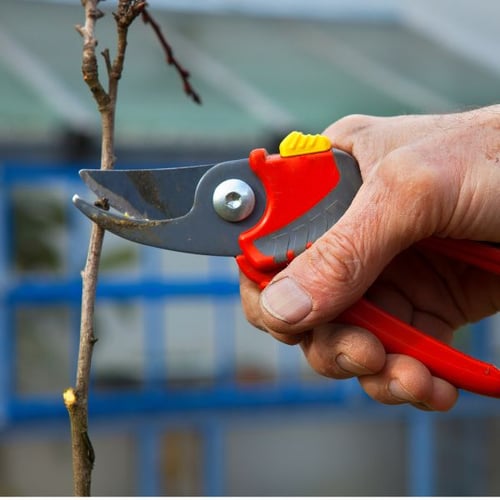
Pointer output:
x,y
69,397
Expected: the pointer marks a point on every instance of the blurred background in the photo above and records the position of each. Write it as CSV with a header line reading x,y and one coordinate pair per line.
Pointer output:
x,y
187,398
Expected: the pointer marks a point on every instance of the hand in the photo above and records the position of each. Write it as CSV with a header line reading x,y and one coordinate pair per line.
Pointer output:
x,y
422,176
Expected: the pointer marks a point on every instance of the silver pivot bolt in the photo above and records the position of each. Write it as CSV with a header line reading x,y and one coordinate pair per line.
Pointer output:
x,y
233,200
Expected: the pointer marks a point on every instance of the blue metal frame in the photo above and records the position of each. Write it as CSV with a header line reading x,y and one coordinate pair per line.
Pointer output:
x,y
287,392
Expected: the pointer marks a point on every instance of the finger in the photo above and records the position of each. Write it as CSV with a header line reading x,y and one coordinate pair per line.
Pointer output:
x,y
384,218
343,351
250,294
406,380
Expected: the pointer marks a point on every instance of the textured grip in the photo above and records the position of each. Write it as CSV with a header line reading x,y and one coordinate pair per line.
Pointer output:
x,y
306,194
289,241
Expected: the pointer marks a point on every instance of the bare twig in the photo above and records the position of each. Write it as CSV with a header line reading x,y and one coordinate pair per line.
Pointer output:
x,y
170,58
76,400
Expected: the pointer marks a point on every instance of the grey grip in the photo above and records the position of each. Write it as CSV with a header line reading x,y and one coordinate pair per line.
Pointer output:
x,y
295,236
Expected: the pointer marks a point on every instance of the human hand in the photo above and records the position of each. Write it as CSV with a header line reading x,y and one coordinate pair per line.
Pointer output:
x,y
423,175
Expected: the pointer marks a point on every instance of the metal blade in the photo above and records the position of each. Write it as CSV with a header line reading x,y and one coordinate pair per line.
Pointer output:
x,y
151,219
152,194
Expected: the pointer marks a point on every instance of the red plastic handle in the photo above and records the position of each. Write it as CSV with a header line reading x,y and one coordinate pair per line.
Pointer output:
x,y
293,188
461,370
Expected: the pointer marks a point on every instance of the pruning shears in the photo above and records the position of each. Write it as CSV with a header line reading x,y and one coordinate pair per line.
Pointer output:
x,y
265,210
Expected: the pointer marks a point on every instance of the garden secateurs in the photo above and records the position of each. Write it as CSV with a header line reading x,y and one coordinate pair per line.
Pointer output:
x,y
265,210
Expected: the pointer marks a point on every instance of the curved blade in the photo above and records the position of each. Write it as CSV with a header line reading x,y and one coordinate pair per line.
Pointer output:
x,y
150,219
152,194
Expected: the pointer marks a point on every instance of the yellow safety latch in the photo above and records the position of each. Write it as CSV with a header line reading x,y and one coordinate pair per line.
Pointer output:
x,y
297,143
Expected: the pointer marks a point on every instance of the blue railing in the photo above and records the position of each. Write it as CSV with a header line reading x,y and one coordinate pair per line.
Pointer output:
x,y
151,404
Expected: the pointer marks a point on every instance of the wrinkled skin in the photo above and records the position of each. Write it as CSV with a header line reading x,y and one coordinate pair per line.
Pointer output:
x,y
422,175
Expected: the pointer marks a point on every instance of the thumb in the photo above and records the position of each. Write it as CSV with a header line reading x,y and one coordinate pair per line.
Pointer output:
x,y
390,212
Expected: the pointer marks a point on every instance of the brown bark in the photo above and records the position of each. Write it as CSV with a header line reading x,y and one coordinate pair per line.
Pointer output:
x,y
76,400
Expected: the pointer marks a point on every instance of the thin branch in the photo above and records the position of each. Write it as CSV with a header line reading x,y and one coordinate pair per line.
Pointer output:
x,y
89,61
170,58
76,400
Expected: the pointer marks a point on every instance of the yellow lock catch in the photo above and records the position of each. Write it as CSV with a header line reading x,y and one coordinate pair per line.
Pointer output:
x,y
297,143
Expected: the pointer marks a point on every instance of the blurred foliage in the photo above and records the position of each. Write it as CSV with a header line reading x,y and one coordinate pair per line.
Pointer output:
x,y
39,222
43,347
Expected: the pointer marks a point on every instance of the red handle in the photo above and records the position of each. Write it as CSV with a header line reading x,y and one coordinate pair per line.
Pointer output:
x,y
461,370
293,185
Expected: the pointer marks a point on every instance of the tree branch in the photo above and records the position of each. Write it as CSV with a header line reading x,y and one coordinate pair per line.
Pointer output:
x,y
170,58
89,61
76,400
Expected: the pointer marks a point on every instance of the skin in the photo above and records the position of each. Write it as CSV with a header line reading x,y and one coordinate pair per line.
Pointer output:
x,y
422,175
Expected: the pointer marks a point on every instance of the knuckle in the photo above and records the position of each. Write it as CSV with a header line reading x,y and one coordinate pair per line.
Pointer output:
x,y
409,172
343,351
321,353
328,342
